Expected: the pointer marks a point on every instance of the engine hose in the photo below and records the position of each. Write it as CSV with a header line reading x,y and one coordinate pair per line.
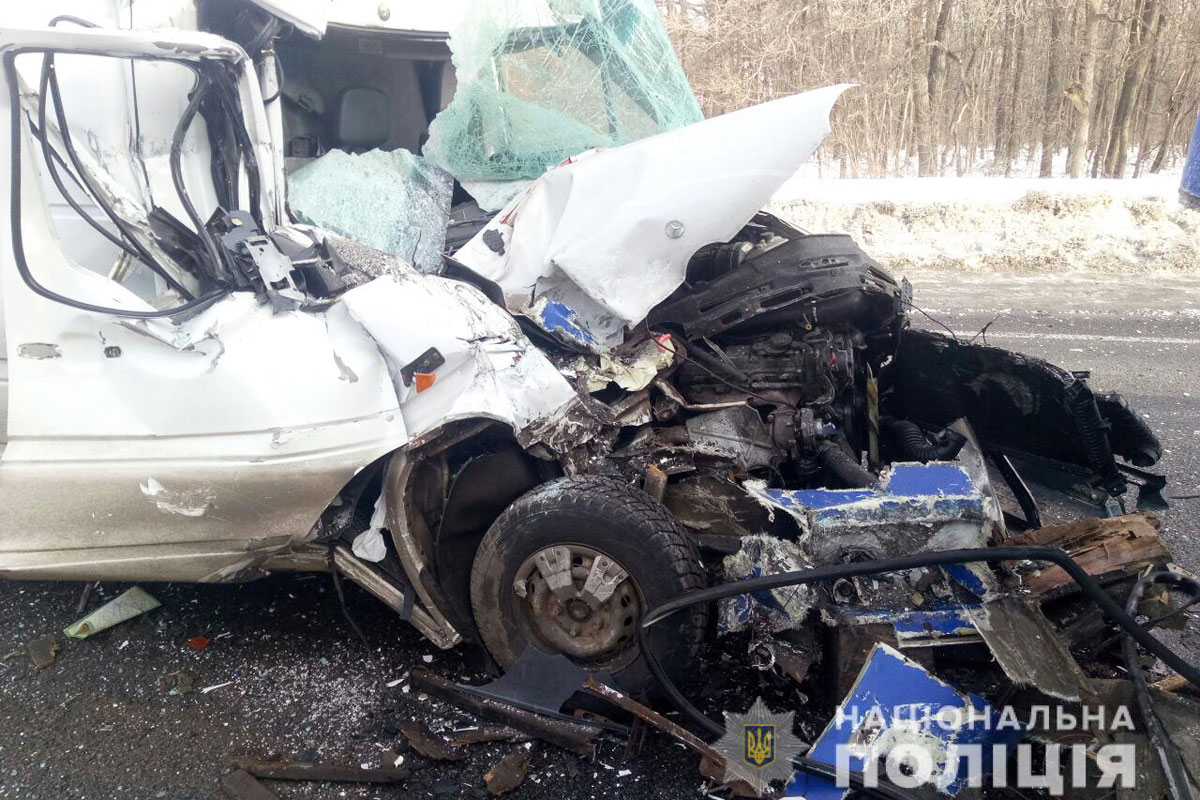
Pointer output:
x,y
1092,429
835,458
1174,773
1054,555
913,444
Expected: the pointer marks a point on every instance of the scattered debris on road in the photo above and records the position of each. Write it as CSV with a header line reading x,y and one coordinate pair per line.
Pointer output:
x,y
132,603
178,683
241,785
304,771
426,743
509,772
42,651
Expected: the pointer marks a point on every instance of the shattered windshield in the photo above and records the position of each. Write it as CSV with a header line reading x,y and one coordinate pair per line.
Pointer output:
x,y
542,80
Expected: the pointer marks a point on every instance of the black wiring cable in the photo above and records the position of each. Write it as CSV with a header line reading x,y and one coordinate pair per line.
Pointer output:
x,y
687,355
248,156
279,78
15,217
1154,623
55,96
53,160
216,263
52,157
1174,772
1086,582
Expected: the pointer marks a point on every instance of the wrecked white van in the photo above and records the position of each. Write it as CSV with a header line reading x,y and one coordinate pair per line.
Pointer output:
x,y
628,365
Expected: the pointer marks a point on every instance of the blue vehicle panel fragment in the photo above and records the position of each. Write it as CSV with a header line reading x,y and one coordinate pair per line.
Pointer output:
x,y
557,318
895,702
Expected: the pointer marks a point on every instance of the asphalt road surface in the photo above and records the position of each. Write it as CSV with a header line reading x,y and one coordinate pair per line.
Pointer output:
x,y
284,675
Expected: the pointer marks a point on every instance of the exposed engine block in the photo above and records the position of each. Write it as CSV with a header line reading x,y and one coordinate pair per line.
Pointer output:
x,y
810,369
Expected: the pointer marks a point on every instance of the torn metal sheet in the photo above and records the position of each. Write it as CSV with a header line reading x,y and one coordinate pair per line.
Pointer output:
x,y
490,369
878,716
509,772
917,628
621,224
777,609
1028,649
915,507
42,651
428,744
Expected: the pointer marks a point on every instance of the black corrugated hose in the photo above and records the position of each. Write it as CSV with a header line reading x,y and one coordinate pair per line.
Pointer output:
x,y
1086,582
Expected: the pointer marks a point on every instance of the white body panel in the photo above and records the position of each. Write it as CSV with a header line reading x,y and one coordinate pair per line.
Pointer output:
x,y
611,232
196,447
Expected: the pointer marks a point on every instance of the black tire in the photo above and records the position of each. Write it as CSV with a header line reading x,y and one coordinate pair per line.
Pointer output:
x,y
615,520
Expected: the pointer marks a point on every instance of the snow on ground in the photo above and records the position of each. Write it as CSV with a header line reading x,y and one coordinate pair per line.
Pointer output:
x,y
1009,225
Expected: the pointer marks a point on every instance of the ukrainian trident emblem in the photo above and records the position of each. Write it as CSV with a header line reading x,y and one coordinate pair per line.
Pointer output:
x,y
760,745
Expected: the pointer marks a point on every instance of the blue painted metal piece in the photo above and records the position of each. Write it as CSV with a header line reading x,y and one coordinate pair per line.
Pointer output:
x,y
557,318
967,578
1189,186
893,701
916,480
911,492
943,622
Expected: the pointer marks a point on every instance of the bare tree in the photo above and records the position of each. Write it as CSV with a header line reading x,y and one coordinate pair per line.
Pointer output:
x,y
960,85
1082,91
1143,31
1053,93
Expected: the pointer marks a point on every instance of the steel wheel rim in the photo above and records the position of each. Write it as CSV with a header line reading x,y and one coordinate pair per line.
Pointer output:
x,y
592,623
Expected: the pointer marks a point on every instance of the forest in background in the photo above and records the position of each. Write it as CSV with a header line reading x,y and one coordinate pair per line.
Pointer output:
x,y
1079,88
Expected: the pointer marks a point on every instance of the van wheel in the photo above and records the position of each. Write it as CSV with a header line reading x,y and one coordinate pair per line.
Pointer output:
x,y
570,568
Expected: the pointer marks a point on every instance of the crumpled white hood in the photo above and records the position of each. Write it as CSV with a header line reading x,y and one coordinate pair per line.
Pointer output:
x,y
598,241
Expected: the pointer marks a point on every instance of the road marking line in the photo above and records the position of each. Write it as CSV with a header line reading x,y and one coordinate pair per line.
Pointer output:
x,y
1076,337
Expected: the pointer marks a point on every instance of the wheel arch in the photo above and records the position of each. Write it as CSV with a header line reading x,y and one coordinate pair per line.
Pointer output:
x,y
442,497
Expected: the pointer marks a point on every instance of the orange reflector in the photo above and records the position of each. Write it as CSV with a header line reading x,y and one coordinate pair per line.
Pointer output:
x,y
423,380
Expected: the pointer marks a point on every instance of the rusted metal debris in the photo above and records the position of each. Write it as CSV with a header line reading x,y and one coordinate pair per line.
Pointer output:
x,y
509,772
488,733
303,771
241,785
651,716
576,736
428,744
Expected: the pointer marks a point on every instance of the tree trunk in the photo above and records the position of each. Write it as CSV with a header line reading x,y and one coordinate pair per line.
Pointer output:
x,y
1003,132
1081,93
937,60
1053,99
1175,112
1143,137
1143,32
1015,140
922,108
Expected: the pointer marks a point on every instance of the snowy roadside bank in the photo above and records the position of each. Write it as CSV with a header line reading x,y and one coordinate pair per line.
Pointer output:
x,y
1004,225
